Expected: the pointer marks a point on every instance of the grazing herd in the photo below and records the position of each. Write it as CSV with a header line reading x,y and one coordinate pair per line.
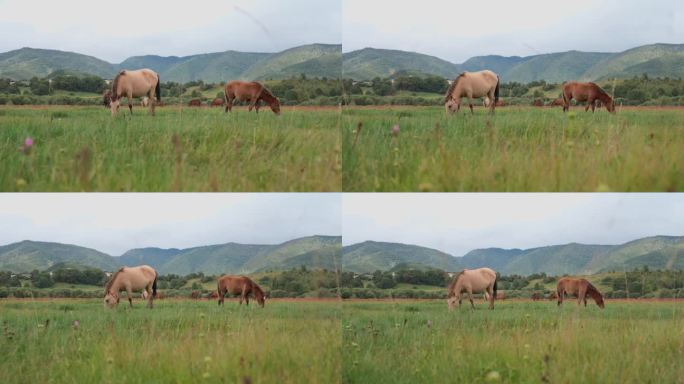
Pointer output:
x,y
146,84
485,84
482,280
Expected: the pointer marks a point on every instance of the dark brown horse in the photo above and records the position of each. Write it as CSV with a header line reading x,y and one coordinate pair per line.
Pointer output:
x,y
218,102
251,92
557,102
538,103
196,295
588,92
536,296
579,288
195,103
240,285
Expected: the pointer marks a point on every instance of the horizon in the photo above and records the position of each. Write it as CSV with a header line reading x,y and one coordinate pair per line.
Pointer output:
x,y
167,28
521,28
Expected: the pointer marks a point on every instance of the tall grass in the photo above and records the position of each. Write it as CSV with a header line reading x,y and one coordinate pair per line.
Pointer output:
x,y
189,149
517,342
176,342
518,149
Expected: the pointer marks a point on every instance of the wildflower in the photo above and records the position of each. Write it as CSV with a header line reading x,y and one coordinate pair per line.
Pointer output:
x,y
28,142
493,377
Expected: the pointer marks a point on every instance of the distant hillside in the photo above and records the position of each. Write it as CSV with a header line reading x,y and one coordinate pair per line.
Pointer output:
x,y
313,252
655,60
25,63
314,60
370,256
368,63
659,252
26,256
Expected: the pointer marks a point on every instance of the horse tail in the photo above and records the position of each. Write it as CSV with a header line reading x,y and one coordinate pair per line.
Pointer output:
x,y
496,279
496,92
157,90
154,285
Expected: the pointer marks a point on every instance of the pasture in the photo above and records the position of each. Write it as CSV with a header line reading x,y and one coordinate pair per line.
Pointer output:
x,y
179,149
519,149
176,342
519,341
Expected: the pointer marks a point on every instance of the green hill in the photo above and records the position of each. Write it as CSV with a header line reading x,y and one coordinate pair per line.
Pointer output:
x,y
26,256
617,65
370,256
368,63
314,60
554,67
25,63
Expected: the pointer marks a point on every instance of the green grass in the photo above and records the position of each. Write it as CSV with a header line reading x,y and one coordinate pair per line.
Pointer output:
x,y
524,342
518,149
189,149
176,342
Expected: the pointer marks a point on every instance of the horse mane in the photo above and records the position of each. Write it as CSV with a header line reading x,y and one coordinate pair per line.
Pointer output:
x,y
257,288
111,280
452,87
592,290
266,94
603,95
115,84
452,285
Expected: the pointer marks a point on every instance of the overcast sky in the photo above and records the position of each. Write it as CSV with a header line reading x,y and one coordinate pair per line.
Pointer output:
x,y
456,30
115,223
113,31
459,222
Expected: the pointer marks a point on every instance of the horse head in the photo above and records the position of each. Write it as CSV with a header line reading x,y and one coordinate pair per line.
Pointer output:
x,y
111,300
275,106
260,297
610,106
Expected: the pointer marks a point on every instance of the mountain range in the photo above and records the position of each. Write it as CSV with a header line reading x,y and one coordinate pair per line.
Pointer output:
x,y
327,60
318,252
316,60
657,60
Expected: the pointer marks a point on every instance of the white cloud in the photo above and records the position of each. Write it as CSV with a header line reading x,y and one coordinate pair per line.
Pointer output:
x,y
114,223
459,222
456,30
115,31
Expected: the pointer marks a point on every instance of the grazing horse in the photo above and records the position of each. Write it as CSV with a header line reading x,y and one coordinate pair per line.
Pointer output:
x,y
251,92
138,83
195,103
557,102
536,296
218,102
588,92
472,85
472,280
579,288
240,285
131,279
107,98
196,295
538,103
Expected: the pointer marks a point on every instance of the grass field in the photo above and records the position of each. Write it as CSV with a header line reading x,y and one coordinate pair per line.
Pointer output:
x,y
518,149
176,342
188,149
518,342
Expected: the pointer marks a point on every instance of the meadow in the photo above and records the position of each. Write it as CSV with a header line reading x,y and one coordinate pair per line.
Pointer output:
x,y
519,149
179,149
78,341
517,342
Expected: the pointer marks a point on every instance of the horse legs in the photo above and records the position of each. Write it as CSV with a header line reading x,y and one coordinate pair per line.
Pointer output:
x,y
581,295
593,106
130,105
471,107
148,289
251,105
229,104
221,295
130,297
470,297
559,293
491,296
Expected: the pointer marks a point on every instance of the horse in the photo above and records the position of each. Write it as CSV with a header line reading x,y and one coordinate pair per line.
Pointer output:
x,y
538,103
145,101
472,85
557,102
589,92
240,285
107,98
196,295
579,288
218,102
472,280
142,277
195,103
536,296
138,83
252,92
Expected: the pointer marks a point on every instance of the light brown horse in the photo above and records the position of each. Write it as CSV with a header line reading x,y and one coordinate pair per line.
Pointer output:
x,y
472,85
579,288
138,83
131,279
588,92
240,285
472,280
251,92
